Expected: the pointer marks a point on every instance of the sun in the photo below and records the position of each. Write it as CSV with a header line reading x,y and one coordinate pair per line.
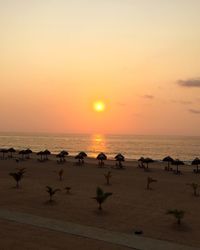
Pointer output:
x,y
99,106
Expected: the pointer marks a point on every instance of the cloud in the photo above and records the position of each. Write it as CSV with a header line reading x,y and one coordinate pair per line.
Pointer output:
x,y
185,102
182,102
148,96
194,111
189,83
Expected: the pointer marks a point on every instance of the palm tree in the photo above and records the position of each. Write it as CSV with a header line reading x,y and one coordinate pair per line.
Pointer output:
x,y
149,181
60,173
21,170
194,186
18,176
196,162
120,158
101,196
178,214
67,190
51,192
108,176
177,163
169,160
101,158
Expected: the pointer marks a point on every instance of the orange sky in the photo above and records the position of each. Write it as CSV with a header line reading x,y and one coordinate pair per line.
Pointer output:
x,y
140,57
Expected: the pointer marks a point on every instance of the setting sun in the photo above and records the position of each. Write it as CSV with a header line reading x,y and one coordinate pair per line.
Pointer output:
x,y
99,106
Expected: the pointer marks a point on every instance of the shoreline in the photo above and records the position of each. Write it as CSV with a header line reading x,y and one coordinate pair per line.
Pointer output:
x,y
132,147
109,159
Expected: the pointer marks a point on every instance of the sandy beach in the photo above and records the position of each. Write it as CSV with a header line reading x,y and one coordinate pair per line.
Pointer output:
x,y
131,207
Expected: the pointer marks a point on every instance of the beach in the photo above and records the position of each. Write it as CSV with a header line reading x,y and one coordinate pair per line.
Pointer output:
x,y
130,208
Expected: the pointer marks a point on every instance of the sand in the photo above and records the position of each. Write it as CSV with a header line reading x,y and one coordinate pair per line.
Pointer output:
x,y
131,206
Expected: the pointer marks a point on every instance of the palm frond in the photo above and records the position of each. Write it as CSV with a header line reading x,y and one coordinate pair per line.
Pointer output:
x,y
106,195
55,191
99,191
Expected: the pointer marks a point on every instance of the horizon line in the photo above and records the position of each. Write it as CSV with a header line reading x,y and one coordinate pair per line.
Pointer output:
x,y
92,133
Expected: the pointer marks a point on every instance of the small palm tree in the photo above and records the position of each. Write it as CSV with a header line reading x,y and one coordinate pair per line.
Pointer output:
x,y
51,192
195,187
18,176
21,170
67,190
149,181
108,176
101,196
60,173
178,214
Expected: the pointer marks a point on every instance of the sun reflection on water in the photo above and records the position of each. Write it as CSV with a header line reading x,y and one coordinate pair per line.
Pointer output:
x,y
97,144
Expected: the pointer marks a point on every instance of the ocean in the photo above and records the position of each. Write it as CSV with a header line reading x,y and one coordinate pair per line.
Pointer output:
x,y
132,146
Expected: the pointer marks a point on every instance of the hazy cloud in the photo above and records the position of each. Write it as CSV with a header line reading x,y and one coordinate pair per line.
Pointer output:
x,y
148,96
182,102
194,111
185,102
189,83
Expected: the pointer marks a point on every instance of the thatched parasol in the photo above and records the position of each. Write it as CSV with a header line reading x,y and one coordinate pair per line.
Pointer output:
x,y
196,162
101,157
147,161
11,151
120,158
177,163
169,160
46,153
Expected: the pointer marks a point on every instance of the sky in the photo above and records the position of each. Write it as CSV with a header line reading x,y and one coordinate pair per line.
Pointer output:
x,y
140,57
